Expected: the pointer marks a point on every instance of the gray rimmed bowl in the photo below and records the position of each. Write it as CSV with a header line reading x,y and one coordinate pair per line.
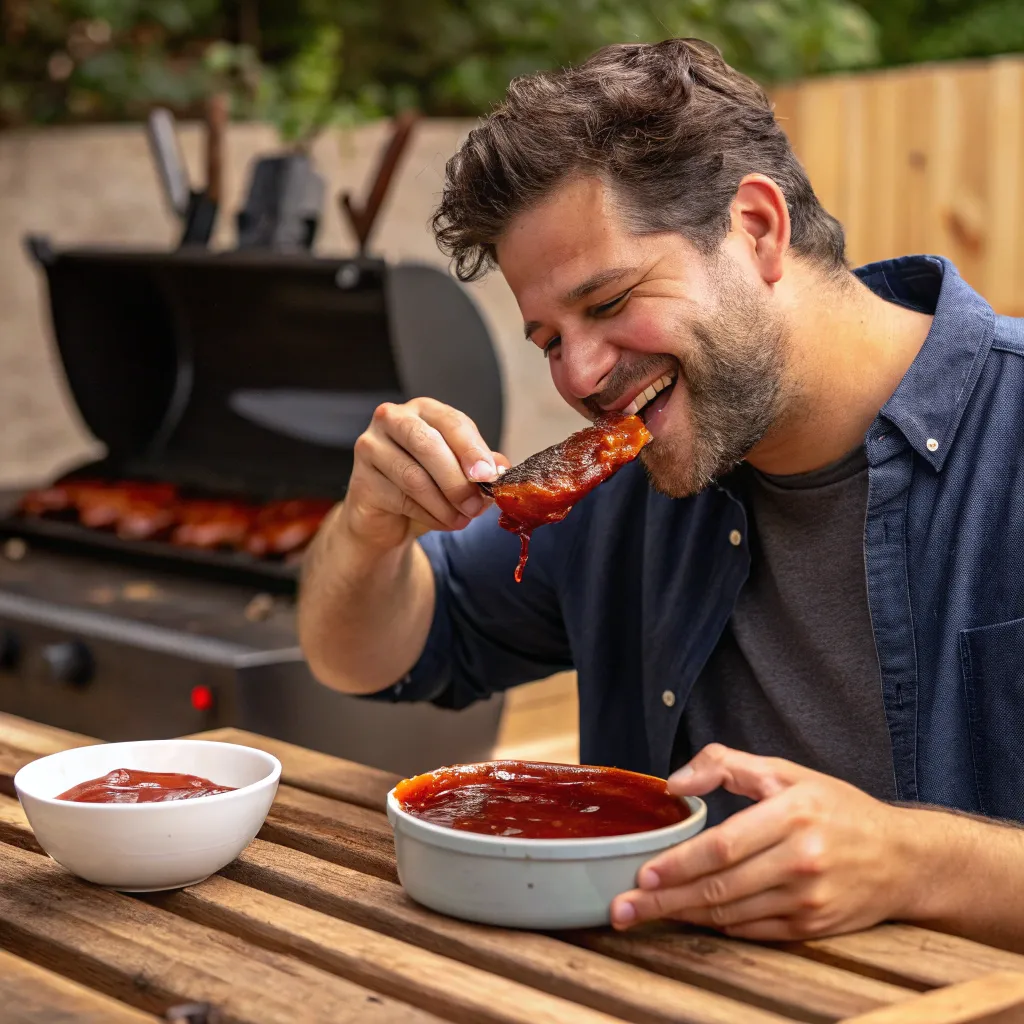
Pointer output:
x,y
544,884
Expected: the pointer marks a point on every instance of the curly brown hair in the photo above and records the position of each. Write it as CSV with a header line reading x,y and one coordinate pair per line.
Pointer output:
x,y
670,126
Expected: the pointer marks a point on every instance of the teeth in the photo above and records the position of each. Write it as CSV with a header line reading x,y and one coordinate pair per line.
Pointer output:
x,y
648,395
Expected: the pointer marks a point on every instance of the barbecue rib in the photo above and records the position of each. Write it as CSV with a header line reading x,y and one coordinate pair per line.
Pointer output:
x,y
546,486
145,511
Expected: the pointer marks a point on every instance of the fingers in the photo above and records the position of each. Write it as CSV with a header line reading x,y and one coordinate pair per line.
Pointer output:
x,y
743,774
414,488
772,903
427,450
459,432
423,503
711,853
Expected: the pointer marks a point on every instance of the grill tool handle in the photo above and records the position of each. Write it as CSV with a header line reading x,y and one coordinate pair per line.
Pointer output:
x,y
196,209
362,218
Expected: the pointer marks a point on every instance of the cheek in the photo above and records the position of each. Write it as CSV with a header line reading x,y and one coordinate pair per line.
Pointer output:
x,y
647,329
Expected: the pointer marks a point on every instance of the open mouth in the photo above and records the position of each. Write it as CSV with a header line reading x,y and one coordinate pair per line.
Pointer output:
x,y
652,399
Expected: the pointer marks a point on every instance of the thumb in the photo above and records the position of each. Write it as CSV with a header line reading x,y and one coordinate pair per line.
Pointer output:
x,y
749,775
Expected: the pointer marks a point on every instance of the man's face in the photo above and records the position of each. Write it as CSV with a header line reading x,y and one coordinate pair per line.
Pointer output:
x,y
622,315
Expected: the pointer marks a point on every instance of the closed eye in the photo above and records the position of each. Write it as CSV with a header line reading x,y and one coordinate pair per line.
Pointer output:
x,y
611,305
556,340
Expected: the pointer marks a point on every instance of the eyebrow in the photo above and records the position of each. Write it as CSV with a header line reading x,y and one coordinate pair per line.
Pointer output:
x,y
581,291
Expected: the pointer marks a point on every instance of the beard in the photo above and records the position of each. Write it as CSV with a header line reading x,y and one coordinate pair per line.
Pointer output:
x,y
733,371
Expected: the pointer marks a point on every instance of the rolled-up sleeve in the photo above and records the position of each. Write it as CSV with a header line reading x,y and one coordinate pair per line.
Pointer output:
x,y
488,632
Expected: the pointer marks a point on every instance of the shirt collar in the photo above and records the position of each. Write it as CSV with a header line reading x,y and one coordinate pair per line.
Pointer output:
x,y
928,404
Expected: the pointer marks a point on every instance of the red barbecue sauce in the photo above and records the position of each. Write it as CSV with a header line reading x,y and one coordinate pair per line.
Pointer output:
x,y
544,488
532,800
132,786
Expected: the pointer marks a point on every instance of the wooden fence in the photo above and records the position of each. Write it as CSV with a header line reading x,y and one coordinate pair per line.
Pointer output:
x,y
924,159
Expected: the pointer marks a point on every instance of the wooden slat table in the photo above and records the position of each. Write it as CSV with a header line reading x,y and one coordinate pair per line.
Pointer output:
x,y
310,924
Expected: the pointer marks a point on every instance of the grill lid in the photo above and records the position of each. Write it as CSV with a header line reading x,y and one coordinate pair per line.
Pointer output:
x,y
252,373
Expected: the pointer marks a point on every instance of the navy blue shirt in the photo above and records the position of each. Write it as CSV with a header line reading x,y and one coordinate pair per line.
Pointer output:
x,y
634,589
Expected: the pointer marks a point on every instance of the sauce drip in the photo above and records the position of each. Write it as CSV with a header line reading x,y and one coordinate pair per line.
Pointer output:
x,y
544,488
133,786
531,800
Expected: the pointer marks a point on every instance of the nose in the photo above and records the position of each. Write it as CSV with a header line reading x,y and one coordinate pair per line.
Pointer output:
x,y
582,363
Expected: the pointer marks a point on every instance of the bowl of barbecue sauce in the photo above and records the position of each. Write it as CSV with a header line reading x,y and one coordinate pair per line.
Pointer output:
x,y
525,844
148,815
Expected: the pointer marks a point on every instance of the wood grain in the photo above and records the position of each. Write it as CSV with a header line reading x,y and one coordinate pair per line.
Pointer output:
x,y
537,960
911,956
921,159
452,990
144,956
22,741
331,830
760,975
32,995
993,999
527,957
316,772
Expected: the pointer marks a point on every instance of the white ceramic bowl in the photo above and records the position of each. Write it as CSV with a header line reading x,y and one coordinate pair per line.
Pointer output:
x,y
525,883
154,846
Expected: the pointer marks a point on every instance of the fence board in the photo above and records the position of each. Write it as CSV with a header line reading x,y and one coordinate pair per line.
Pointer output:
x,y
921,159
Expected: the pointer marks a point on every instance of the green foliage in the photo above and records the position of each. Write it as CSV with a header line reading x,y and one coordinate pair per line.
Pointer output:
x,y
311,63
457,57
919,30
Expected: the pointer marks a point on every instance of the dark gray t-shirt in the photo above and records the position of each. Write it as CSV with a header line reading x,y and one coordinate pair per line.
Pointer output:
x,y
795,674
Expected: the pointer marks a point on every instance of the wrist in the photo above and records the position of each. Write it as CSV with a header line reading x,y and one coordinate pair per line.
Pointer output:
x,y
933,853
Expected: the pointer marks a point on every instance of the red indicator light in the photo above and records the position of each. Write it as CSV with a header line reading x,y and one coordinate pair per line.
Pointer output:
x,y
202,698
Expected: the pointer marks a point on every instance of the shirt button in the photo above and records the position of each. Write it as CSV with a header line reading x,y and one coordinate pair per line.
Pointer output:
x,y
735,538
931,444
668,698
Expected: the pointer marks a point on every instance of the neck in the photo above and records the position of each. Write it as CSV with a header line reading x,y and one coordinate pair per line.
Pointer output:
x,y
848,352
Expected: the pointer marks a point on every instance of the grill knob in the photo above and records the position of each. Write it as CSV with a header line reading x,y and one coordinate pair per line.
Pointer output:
x,y
10,649
69,662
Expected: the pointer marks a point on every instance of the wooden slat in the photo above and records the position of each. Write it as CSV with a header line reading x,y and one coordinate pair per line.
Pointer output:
x,y
361,839
533,959
316,772
453,990
1003,161
537,960
42,739
907,955
994,999
22,741
331,830
32,995
151,959
757,974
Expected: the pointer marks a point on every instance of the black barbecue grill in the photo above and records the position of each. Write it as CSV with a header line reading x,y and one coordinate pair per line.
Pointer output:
x,y
243,375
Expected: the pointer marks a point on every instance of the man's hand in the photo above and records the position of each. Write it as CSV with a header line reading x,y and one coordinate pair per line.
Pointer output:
x,y
416,468
814,856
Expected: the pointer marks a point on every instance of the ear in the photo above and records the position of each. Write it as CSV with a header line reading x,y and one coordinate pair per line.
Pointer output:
x,y
760,218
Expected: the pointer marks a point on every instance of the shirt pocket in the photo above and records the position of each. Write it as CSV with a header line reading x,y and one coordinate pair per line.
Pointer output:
x,y
992,658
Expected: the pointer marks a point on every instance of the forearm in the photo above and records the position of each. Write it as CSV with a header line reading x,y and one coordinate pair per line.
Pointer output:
x,y
966,876
364,615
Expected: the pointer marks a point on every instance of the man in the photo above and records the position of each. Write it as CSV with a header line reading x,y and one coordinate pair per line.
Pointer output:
x,y
805,600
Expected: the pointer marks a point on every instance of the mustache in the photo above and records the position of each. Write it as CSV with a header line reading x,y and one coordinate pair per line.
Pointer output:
x,y
626,378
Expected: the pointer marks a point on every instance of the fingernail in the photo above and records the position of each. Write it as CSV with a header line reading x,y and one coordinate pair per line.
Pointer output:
x,y
682,775
502,471
482,471
648,879
623,914
472,506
